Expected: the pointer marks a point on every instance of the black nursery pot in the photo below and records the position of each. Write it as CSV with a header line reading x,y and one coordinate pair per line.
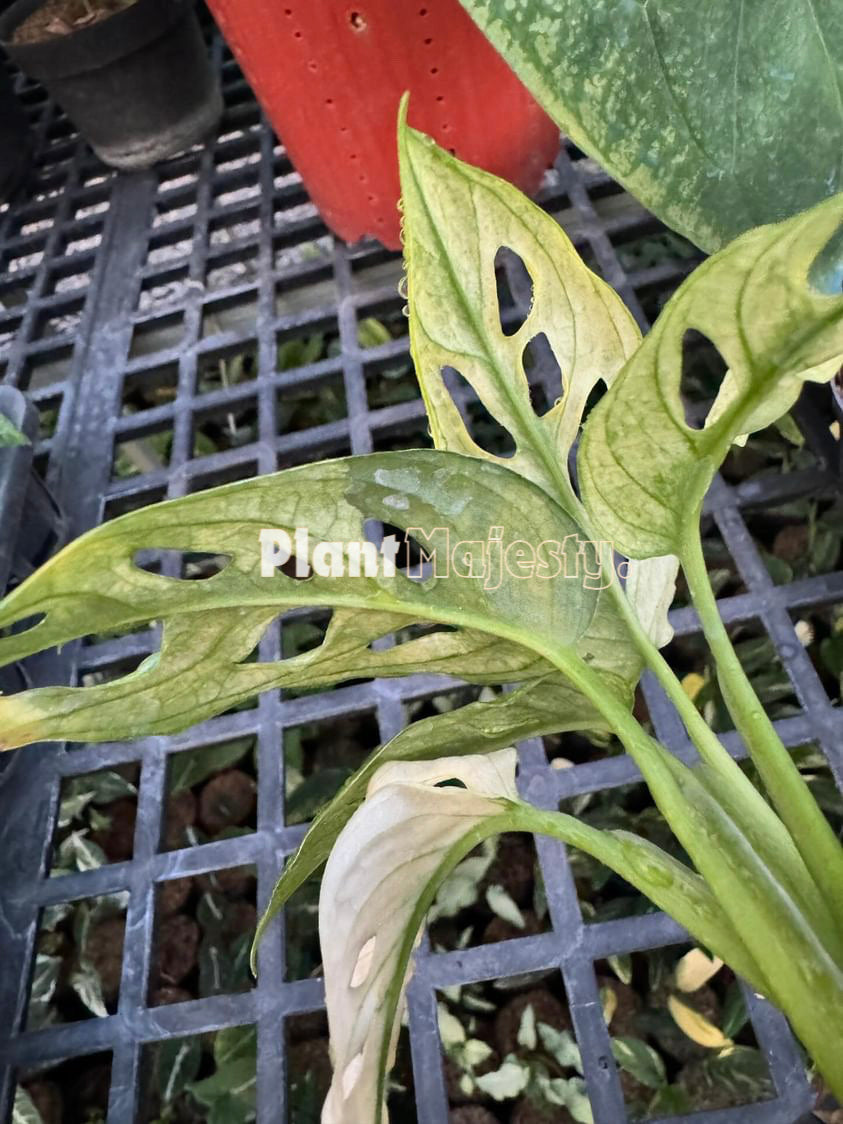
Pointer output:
x,y
15,138
138,85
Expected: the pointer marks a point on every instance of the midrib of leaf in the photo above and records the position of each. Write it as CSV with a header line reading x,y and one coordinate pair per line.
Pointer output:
x,y
674,97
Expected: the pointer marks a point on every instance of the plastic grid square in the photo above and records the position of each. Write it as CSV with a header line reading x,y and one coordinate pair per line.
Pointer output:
x,y
212,253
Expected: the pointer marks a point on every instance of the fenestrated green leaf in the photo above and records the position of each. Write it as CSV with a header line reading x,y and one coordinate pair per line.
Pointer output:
x,y
456,218
717,116
203,669
212,626
771,304
643,469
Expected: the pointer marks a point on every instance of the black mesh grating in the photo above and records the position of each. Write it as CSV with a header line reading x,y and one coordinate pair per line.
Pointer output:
x,y
146,316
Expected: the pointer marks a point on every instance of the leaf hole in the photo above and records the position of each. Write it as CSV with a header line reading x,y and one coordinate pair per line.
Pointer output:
x,y
181,565
703,369
298,570
515,290
826,271
484,429
454,782
357,21
412,632
544,375
419,561
26,624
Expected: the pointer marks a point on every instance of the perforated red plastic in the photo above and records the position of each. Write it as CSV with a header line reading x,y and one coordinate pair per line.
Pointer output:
x,y
330,75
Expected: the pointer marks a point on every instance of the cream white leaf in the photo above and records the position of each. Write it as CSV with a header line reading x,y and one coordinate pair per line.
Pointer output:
x,y
650,587
388,857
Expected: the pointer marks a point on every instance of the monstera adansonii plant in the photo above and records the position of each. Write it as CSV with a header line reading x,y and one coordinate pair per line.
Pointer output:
x,y
562,619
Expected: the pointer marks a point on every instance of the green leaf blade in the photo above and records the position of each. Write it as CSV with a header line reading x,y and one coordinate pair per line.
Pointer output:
x,y
717,116
211,627
456,218
755,301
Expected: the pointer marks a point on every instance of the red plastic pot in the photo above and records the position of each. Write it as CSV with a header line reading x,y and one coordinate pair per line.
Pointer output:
x,y
330,74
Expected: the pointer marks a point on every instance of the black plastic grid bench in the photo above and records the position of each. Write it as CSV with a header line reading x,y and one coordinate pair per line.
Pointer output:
x,y
109,282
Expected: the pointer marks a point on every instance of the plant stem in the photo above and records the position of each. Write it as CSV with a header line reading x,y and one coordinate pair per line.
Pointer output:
x,y
669,884
780,938
735,791
808,827
727,782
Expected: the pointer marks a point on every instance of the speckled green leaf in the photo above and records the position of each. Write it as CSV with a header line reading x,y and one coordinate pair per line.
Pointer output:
x,y
718,116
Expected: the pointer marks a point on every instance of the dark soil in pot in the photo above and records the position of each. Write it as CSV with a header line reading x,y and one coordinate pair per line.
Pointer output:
x,y
15,138
63,17
133,77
